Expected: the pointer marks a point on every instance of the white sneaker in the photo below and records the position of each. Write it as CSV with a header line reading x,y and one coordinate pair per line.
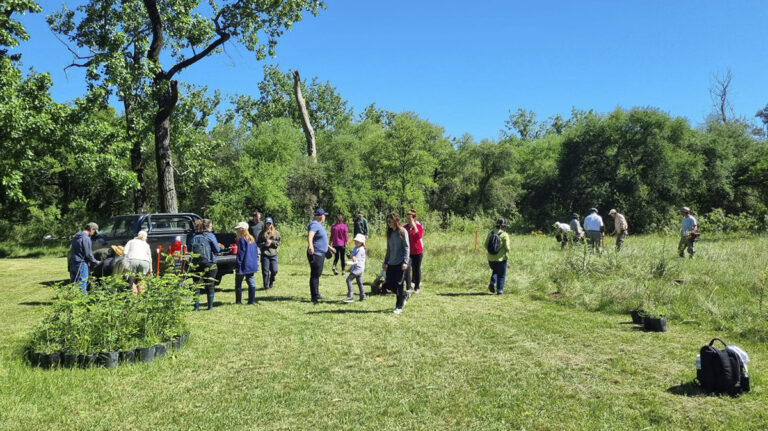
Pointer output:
x,y
398,310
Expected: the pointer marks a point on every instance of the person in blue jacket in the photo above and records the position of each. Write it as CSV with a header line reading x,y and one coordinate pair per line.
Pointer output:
x,y
81,256
247,263
204,227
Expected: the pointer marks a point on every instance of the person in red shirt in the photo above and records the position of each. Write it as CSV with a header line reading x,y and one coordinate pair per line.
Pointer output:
x,y
415,233
339,240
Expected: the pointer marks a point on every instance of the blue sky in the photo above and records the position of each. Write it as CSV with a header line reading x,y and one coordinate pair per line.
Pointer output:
x,y
464,66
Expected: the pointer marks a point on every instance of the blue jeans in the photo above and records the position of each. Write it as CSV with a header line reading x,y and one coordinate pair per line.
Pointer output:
x,y
239,288
78,273
268,270
498,275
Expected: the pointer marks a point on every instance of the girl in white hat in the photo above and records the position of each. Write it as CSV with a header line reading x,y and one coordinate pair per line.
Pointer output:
x,y
357,268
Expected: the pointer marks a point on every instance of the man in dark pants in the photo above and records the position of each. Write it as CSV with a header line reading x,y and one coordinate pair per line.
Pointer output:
x,y
317,247
361,224
81,256
620,228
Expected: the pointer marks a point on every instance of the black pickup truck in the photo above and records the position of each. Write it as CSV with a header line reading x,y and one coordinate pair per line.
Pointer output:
x,y
162,230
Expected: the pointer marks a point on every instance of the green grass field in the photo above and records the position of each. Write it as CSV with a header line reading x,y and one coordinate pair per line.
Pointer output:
x,y
555,352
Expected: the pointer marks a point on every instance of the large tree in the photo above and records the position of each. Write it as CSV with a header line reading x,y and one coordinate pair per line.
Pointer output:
x,y
181,32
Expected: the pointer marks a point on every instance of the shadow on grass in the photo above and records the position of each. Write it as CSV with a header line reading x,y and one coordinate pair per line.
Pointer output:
x,y
36,303
349,311
689,389
465,294
53,282
274,298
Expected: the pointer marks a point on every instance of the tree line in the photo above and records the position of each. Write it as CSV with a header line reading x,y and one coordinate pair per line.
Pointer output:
x,y
65,163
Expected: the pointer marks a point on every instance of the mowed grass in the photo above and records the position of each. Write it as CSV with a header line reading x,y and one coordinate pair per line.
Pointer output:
x,y
457,358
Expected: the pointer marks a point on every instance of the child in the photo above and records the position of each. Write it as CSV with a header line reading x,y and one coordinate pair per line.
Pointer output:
x,y
357,268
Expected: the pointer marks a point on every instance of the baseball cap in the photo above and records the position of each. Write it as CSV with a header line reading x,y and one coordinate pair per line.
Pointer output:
x,y
92,226
320,211
269,220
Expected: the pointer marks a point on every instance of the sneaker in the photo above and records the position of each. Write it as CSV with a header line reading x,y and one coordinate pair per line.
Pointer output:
x,y
334,271
398,310
348,299
320,297
500,292
492,289
417,290
362,298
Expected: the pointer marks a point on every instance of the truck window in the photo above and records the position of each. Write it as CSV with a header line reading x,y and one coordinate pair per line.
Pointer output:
x,y
170,224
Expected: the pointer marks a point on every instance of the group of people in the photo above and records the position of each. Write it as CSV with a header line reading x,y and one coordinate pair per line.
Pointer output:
x,y
402,259
593,231
257,242
135,258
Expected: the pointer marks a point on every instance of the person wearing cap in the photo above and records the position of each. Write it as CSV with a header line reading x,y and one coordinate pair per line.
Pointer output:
x,y
577,233
255,224
415,234
81,256
247,263
317,247
356,270
620,227
593,225
360,225
498,260
339,240
269,241
138,259
562,231
396,259
689,232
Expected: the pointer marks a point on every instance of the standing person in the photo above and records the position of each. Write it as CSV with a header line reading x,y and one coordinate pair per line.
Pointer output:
x,y
593,225
247,263
81,256
339,240
357,269
269,241
317,247
577,233
361,224
138,257
497,246
204,244
562,233
415,234
620,228
255,224
396,259
689,233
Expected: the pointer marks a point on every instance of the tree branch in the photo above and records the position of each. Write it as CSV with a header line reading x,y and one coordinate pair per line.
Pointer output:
x,y
157,30
223,37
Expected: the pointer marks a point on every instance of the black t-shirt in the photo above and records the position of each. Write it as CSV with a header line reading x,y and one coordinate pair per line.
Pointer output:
x,y
256,228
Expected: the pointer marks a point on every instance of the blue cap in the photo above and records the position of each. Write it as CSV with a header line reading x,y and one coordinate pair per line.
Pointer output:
x,y
269,220
320,211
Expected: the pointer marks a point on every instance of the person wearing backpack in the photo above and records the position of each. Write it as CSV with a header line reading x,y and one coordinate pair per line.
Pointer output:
x,y
269,241
205,246
497,246
247,263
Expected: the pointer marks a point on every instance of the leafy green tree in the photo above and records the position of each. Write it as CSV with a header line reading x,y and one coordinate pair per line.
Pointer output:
x,y
181,32
523,123
12,31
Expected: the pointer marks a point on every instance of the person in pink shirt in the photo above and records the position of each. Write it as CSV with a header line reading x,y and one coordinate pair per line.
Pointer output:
x,y
415,233
339,240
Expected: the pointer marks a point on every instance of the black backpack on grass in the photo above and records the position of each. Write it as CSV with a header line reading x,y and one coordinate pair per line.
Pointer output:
x,y
494,242
722,371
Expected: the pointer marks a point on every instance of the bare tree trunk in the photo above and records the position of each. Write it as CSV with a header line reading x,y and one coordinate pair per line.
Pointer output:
x,y
309,132
166,185
137,165
718,90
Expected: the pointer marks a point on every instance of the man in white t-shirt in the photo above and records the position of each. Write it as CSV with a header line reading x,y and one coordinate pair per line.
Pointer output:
x,y
561,233
593,227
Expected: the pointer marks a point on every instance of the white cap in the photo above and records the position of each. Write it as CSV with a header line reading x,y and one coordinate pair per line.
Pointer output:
x,y
242,225
359,238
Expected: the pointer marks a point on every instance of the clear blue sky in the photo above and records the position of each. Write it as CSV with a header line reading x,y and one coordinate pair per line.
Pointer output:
x,y
465,65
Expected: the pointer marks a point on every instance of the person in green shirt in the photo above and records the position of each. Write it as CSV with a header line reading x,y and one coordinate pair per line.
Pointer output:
x,y
497,246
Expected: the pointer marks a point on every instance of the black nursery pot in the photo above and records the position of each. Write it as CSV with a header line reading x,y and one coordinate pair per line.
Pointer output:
x,y
50,360
108,359
34,357
160,350
655,324
176,343
146,354
89,361
70,360
637,316
127,356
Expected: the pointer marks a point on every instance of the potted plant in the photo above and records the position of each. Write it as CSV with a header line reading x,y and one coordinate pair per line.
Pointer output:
x,y
655,320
